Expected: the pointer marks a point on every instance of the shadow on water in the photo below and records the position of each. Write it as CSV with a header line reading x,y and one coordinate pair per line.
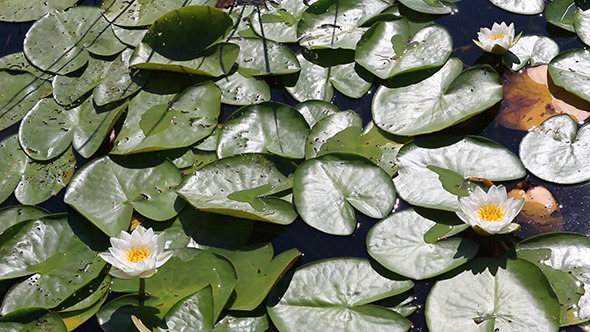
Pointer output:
x,y
314,245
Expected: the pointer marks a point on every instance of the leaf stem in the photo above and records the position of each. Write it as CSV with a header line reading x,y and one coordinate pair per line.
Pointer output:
x,y
141,292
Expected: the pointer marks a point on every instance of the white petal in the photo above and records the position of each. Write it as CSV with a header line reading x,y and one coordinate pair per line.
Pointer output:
x,y
163,258
121,274
509,228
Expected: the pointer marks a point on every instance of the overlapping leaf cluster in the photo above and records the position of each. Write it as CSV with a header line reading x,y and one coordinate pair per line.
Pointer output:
x,y
136,90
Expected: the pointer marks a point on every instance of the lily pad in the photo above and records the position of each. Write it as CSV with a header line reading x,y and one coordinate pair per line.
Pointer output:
x,y
17,62
264,128
561,13
242,186
470,156
556,151
19,11
571,71
335,295
124,184
130,36
582,25
327,189
48,129
239,90
531,97
493,295
20,92
33,181
563,258
12,215
532,51
336,23
47,322
386,49
442,100
398,244
430,6
60,42
188,271
48,251
257,272
329,127
526,7
279,23
315,110
264,57
180,122
138,14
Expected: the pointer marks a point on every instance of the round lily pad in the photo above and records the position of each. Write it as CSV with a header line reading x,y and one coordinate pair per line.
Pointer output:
x,y
505,296
242,186
315,110
398,244
124,184
561,14
327,189
329,127
139,14
279,23
260,57
335,295
532,51
386,49
239,90
526,7
59,42
12,215
20,92
22,11
556,151
430,6
582,25
441,100
564,258
469,156
264,128
571,70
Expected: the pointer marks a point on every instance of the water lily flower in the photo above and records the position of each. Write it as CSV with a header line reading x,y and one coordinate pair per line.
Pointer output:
x,y
491,212
497,40
138,254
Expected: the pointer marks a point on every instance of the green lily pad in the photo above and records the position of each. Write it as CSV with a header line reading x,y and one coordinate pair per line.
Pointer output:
x,y
48,251
33,181
239,90
124,184
398,244
264,57
430,6
73,319
561,13
195,312
279,23
12,215
315,110
47,322
60,42
329,127
327,189
372,143
139,14
570,70
257,272
505,296
386,49
48,129
23,11
180,122
469,156
242,186
188,271
582,25
440,101
556,151
67,89
317,81
526,7
169,44
336,23
335,295
20,92
129,36
563,258
264,128
531,51
17,62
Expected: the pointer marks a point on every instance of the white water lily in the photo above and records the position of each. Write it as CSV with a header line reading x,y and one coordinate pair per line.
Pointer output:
x,y
491,212
138,254
497,40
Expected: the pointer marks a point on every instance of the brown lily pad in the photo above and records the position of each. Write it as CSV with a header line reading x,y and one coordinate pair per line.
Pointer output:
x,y
541,211
530,97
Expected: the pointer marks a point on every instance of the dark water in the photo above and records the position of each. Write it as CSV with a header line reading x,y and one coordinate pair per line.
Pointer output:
x,y
315,245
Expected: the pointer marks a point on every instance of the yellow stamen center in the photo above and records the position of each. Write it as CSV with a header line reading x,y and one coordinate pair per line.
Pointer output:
x,y
491,212
497,36
138,254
